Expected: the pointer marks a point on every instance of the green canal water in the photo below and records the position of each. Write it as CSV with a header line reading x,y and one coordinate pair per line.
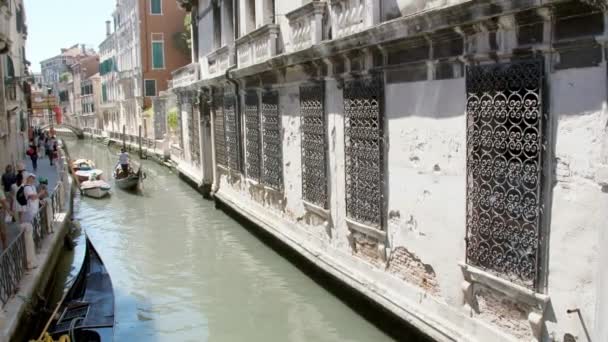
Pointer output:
x,y
183,270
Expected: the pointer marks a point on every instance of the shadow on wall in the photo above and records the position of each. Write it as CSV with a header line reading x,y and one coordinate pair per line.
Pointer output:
x,y
430,99
577,91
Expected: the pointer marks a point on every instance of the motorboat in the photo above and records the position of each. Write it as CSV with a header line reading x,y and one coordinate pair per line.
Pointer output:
x,y
83,164
85,175
95,188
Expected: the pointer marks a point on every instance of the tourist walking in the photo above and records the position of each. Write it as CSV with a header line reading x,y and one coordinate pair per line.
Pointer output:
x,y
17,208
33,153
8,178
32,198
55,156
48,146
5,212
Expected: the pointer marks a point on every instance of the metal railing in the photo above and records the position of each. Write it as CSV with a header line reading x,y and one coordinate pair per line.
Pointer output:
x,y
13,260
55,202
39,228
13,263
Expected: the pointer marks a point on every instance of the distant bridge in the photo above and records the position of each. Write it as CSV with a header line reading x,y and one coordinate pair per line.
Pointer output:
x,y
76,130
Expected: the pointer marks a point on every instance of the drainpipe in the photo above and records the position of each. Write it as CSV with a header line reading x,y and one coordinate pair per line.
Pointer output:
x,y
237,108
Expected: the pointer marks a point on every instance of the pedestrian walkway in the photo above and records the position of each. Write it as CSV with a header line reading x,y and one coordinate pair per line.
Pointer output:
x,y
44,170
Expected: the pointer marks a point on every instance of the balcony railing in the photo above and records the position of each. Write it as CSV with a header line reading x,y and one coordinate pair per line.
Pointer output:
x,y
218,61
352,16
306,24
257,46
184,76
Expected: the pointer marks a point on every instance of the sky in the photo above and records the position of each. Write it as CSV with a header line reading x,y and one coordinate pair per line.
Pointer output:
x,y
54,24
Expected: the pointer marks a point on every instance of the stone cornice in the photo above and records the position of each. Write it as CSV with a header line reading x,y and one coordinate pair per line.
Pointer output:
x,y
412,27
268,28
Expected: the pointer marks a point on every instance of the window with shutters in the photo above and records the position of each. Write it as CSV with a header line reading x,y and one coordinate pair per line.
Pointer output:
x,y
252,136
150,86
156,7
364,150
504,169
158,54
314,144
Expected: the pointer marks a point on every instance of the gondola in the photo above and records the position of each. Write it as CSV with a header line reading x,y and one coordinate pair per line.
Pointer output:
x,y
129,181
86,313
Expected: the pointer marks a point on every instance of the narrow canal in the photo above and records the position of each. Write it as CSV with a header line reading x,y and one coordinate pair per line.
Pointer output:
x,y
185,271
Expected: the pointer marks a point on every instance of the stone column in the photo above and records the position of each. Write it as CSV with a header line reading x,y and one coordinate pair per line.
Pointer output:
x,y
30,247
49,215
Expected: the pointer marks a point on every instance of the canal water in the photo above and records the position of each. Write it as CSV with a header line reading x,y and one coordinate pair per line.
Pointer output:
x,y
185,271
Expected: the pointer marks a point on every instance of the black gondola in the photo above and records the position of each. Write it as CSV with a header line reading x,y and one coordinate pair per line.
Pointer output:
x,y
87,311
130,181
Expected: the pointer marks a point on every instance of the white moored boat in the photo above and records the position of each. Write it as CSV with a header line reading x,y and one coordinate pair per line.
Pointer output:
x,y
95,188
84,175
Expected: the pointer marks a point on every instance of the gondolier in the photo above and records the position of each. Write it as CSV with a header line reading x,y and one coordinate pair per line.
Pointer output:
x,y
123,160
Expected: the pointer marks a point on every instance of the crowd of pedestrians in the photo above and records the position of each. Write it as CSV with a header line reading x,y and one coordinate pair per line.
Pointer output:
x,y
22,191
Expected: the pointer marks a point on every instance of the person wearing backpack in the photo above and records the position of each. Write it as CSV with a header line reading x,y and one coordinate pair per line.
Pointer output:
x,y
19,180
32,198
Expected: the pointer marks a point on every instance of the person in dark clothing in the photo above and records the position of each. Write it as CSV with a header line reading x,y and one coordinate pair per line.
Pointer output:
x,y
8,179
33,152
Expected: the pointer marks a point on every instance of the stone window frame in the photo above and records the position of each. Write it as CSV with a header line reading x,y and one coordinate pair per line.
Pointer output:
x,y
320,209
250,94
219,141
373,230
236,164
510,177
265,147
535,298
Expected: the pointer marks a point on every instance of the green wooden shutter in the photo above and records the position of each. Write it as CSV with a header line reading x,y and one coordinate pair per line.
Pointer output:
x,y
158,55
155,6
104,93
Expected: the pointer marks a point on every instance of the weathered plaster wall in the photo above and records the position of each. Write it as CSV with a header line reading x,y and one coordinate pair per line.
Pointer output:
x,y
426,176
577,110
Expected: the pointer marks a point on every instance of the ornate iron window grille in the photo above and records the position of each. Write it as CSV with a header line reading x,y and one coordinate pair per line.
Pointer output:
x,y
504,169
364,149
193,128
179,120
232,131
272,144
218,128
252,135
314,144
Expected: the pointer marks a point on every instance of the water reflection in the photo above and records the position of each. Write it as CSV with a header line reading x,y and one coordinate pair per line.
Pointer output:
x,y
183,271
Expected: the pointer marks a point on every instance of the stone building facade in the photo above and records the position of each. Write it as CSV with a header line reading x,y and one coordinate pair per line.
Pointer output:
x,y
448,159
15,91
139,54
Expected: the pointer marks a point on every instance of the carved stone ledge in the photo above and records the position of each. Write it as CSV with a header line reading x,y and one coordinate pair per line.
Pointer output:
x,y
315,211
365,229
515,298
379,236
